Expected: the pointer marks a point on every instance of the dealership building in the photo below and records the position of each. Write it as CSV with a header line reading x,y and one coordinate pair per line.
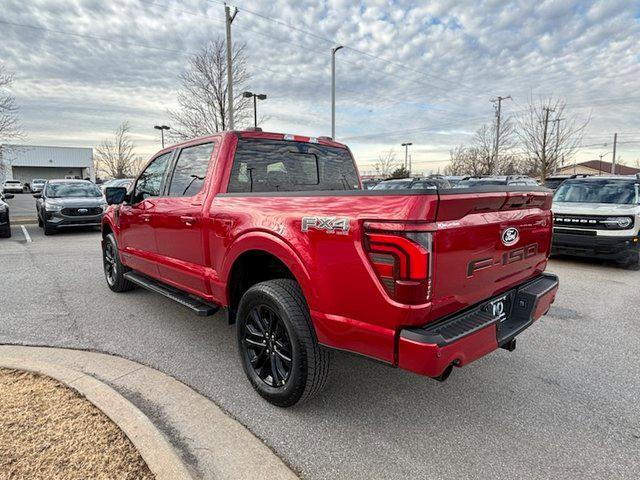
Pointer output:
x,y
26,162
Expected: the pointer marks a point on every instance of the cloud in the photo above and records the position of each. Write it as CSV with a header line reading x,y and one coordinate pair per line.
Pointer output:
x,y
87,65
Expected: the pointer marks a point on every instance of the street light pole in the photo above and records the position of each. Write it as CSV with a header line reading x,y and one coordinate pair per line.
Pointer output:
x,y
333,90
228,21
256,96
406,155
602,155
162,128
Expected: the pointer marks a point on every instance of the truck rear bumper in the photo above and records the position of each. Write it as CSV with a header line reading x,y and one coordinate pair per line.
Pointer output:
x,y
464,337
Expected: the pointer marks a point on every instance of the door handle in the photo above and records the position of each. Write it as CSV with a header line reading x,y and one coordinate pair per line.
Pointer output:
x,y
188,220
145,216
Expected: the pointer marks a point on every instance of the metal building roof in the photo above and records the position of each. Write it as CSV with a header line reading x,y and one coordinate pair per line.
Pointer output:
x,y
46,156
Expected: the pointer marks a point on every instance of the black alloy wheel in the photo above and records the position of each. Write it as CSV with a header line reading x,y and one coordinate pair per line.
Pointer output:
x,y
278,347
267,346
110,264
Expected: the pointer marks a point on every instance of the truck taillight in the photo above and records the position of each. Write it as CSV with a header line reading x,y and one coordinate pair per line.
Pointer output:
x,y
401,260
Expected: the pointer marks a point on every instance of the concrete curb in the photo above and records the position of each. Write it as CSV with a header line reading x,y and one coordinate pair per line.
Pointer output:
x,y
209,442
154,448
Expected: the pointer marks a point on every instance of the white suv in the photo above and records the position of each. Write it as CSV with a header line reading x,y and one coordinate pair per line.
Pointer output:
x,y
12,186
598,217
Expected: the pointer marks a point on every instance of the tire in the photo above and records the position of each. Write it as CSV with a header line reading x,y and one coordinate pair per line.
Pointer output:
x,y
111,258
48,230
39,221
5,232
633,263
280,302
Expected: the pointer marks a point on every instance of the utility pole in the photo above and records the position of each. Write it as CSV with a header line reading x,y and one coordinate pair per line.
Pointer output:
x,y
406,155
557,122
228,20
495,151
613,159
333,90
543,172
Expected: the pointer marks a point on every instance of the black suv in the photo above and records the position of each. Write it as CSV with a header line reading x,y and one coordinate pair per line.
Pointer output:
x,y
5,226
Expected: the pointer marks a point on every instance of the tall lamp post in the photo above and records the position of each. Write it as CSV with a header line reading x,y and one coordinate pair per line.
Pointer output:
x,y
406,155
162,128
256,96
333,90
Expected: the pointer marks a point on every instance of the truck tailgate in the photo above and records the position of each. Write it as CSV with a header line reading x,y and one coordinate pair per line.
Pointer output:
x,y
486,243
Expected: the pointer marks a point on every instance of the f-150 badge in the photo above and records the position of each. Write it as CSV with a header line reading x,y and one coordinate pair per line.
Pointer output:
x,y
339,225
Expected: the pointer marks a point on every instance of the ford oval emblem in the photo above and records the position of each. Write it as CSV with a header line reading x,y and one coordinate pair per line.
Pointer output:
x,y
82,210
510,236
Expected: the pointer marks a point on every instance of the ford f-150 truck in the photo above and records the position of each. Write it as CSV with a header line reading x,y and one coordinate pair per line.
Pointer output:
x,y
277,231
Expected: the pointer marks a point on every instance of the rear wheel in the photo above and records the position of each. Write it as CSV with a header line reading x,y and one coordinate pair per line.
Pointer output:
x,y
278,347
39,221
114,270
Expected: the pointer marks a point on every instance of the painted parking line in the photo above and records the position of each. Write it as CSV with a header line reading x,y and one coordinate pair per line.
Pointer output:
x,y
26,234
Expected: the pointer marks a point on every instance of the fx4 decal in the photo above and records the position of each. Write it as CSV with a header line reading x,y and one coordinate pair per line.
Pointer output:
x,y
338,225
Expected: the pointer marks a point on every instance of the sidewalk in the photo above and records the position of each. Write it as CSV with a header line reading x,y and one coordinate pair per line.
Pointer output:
x,y
179,433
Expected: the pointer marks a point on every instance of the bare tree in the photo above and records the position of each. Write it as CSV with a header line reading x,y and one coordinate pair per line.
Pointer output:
x,y
386,163
477,159
115,156
9,124
203,95
549,136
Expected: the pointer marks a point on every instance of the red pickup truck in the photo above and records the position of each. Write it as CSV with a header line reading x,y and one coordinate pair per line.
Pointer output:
x,y
277,230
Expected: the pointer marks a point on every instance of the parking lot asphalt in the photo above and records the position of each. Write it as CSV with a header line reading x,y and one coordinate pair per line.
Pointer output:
x,y
564,404
22,206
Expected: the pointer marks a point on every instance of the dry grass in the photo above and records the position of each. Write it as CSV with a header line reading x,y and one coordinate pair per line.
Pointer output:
x,y
48,431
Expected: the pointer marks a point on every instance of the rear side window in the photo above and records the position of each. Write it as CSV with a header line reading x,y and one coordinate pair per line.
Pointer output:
x,y
190,170
286,166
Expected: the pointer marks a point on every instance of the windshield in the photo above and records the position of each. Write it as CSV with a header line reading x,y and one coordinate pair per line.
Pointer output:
x,y
60,190
13,181
479,182
38,180
598,191
393,185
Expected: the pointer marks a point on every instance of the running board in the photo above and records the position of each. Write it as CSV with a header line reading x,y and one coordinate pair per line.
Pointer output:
x,y
201,307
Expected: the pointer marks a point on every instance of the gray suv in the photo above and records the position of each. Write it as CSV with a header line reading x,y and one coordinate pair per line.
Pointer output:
x,y
69,203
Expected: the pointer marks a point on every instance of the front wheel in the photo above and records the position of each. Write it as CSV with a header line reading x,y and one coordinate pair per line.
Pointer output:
x,y
48,230
278,347
114,270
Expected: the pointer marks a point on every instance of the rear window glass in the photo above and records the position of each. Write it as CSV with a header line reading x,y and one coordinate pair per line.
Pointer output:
x,y
286,166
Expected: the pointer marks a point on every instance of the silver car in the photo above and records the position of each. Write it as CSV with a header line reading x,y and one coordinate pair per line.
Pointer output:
x,y
69,203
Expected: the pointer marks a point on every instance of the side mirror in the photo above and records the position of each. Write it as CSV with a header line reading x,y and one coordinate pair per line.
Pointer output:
x,y
8,196
37,195
115,195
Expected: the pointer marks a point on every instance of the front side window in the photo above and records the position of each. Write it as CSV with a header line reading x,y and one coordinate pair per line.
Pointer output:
x,y
262,165
150,181
191,170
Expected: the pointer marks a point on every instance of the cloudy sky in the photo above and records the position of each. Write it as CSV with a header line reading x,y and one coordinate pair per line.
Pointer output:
x,y
412,70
